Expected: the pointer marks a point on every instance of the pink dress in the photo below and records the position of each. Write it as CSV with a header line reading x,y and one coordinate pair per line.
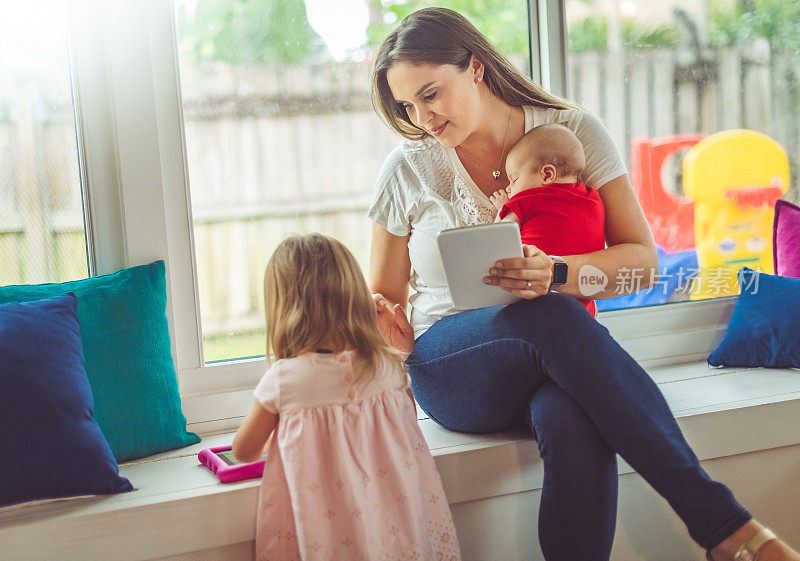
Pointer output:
x,y
348,474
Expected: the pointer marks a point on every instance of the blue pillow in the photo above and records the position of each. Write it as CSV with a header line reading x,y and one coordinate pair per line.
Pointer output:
x,y
50,444
764,329
126,346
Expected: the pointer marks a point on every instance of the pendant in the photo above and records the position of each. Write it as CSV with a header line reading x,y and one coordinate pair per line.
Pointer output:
x,y
496,174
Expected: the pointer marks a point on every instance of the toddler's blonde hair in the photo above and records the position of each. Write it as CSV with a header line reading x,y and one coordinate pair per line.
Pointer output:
x,y
314,291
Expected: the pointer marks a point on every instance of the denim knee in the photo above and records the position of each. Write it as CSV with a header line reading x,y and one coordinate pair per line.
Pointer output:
x,y
554,316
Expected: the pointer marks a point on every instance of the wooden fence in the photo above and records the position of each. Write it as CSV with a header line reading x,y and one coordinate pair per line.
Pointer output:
x,y
41,210
664,92
274,150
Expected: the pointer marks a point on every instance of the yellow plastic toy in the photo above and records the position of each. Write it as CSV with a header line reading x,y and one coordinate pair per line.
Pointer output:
x,y
734,178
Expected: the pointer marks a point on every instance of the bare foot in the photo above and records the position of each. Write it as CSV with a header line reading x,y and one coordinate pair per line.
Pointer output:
x,y
774,550
499,198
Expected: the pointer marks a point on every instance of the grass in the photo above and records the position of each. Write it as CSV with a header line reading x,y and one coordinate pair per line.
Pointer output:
x,y
229,347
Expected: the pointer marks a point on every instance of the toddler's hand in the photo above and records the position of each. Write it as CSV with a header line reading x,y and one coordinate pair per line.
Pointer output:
x,y
394,325
499,198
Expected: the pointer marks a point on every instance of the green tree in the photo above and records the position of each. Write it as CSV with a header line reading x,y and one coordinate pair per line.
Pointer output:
x,y
504,23
588,34
247,32
591,34
777,21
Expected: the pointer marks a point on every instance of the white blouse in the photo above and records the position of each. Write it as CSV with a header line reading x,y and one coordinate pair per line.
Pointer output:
x,y
423,188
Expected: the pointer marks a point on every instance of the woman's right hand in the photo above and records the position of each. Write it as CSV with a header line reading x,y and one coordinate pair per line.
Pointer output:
x,y
393,325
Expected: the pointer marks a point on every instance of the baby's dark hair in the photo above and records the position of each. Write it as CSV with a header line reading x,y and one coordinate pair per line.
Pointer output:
x,y
555,144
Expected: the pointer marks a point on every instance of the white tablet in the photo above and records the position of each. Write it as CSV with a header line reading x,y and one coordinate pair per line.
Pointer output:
x,y
468,254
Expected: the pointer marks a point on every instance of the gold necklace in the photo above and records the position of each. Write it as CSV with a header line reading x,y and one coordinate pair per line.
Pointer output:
x,y
495,172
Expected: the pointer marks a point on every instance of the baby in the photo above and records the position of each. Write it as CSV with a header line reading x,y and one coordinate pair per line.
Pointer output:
x,y
556,212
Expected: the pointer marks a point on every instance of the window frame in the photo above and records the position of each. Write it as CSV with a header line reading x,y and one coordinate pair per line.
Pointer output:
x,y
126,84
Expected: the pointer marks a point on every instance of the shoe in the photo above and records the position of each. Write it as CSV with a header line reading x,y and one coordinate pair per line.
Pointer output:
x,y
749,550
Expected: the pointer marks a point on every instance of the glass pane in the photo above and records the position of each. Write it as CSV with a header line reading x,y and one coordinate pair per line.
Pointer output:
x,y
665,76
281,136
42,235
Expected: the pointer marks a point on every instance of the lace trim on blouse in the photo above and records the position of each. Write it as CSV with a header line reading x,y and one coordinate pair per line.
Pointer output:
x,y
431,164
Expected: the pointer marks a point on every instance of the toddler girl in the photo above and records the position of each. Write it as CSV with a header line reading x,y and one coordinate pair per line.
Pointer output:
x,y
348,474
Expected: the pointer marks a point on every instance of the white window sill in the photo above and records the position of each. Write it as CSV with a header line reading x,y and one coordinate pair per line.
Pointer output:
x,y
179,507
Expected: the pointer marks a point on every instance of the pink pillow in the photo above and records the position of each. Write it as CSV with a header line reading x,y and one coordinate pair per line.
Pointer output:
x,y
786,239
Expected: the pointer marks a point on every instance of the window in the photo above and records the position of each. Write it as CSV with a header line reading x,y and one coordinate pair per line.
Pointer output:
x,y
142,150
42,233
663,76
281,136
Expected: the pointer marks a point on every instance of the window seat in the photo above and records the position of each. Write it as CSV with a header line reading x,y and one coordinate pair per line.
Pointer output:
x,y
180,512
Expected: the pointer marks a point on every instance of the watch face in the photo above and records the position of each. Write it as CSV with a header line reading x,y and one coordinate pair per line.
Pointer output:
x,y
559,273
744,554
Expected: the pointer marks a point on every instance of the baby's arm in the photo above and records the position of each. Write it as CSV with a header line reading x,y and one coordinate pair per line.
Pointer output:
x,y
498,199
252,436
510,217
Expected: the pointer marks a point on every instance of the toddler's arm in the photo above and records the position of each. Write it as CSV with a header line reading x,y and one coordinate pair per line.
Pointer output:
x,y
252,436
413,402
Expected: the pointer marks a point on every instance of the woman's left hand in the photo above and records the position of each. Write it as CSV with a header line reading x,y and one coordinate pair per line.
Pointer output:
x,y
527,277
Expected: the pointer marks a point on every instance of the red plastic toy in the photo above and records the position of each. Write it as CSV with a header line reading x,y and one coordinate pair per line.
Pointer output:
x,y
671,217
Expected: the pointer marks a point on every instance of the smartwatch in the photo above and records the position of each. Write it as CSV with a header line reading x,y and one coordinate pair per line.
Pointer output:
x,y
559,273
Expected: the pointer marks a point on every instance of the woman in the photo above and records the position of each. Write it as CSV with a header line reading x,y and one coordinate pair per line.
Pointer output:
x,y
460,104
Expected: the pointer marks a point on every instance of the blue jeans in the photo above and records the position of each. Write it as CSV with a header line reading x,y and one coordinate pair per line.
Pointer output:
x,y
549,362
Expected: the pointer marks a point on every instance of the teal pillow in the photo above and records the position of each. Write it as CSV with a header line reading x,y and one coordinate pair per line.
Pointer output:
x,y
126,346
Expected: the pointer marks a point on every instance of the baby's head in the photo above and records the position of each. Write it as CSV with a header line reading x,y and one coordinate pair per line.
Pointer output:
x,y
546,154
315,295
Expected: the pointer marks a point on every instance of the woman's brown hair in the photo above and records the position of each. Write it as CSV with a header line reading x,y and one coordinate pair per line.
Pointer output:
x,y
314,291
443,36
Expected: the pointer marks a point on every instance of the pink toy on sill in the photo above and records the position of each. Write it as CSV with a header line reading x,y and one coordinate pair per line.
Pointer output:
x,y
221,462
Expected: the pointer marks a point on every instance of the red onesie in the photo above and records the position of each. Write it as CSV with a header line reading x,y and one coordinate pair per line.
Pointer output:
x,y
560,219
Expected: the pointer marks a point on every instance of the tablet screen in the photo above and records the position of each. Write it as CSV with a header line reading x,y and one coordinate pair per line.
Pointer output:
x,y
468,254
228,457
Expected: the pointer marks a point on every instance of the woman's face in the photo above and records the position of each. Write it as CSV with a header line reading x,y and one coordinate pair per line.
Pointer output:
x,y
442,100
